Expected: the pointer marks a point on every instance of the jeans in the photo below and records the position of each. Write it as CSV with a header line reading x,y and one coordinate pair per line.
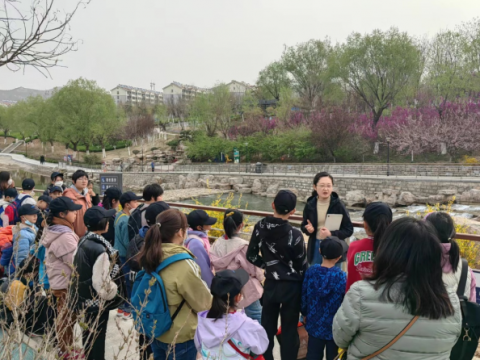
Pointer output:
x,y
317,257
127,307
316,349
94,335
182,351
282,298
254,311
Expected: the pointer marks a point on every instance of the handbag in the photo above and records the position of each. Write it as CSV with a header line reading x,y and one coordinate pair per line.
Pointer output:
x,y
468,341
343,354
241,353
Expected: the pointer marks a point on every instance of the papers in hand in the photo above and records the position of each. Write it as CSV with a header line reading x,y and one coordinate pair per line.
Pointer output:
x,y
333,222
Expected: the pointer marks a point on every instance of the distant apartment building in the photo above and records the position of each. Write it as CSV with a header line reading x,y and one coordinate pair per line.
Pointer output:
x,y
176,90
239,88
130,95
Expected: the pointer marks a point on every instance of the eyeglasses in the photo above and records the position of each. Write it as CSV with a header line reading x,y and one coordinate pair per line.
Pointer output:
x,y
324,186
83,178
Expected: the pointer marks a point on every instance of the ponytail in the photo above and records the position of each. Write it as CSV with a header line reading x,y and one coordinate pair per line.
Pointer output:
x,y
220,306
231,221
378,217
445,227
49,219
107,203
381,225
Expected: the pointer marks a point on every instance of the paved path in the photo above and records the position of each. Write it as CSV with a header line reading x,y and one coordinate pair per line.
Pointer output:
x,y
27,161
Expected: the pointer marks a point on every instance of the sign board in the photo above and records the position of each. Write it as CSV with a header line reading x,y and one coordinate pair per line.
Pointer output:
x,y
108,180
477,290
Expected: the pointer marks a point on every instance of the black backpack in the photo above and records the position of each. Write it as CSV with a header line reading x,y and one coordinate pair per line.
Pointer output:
x,y
467,343
135,221
134,248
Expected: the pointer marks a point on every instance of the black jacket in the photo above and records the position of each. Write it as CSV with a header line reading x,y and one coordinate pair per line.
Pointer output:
x,y
282,250
310,213
95,200
135,221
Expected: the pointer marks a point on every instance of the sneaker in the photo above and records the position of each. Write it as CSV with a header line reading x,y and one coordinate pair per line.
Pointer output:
x,y
119,312
126,315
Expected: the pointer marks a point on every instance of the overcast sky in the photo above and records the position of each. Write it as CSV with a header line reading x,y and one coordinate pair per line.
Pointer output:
x,y
202,42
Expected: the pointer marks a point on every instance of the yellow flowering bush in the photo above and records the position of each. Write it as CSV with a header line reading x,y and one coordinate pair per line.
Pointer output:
x,y
469,160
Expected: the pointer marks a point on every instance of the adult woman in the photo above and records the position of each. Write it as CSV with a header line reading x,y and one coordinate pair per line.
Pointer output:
x,y
451,264
78,192
182,281
229,252
407,282
322,202
376,218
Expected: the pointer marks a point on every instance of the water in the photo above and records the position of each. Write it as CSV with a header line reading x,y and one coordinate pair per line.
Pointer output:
x,y
41,181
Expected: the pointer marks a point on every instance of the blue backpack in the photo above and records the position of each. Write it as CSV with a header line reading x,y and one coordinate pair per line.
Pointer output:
x,y
15,204
151,313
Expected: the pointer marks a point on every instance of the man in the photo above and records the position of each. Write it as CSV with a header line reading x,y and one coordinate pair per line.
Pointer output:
x,y
56,179
153,166
25,198
284,259
78,192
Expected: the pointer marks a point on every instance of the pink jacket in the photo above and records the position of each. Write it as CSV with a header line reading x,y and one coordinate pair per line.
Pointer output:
x,y
235,259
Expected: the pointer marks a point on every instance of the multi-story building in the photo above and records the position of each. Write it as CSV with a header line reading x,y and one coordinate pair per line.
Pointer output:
x,y
130,95
175,91
239,88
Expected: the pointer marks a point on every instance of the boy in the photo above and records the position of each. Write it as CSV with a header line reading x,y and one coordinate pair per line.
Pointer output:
x,y
284,259
129,202
10,195
78,192
322,294
198,243
26,197
56,180
42,204
55,192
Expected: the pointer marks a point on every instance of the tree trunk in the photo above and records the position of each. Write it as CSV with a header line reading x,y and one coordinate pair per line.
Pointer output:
x,y
104,153
128,148
53,149
412,156
376,117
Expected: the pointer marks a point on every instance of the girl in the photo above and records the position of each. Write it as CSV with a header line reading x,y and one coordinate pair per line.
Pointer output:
x,y
322,202
182,282
60,242
376,218
230,252
111,200
406,288
451,264
213,338
6,182
95,197
100,287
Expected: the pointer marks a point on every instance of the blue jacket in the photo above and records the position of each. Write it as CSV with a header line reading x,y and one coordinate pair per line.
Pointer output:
x,y
122,240
202,257
42,271
322,294
22,244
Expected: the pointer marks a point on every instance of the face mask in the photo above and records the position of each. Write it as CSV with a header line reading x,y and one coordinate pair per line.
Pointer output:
x,y
59,183
9,182
27,222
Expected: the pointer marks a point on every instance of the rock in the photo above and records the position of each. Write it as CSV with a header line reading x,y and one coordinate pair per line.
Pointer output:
x,y
223,186
193,176
470,196
191,184
235,180
295,191
237,187
225,181
387,196
447,192
181,182
257,186
169,186
469,226
406,199
355,198
245,190
272,190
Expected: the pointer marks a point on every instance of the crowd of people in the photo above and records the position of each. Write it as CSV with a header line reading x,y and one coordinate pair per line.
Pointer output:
x,y
223,299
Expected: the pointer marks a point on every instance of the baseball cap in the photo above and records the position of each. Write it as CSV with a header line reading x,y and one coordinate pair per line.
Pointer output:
x,y
28,209
95,214
45,198
153,210
62,204
229,282
56,188
127,197
55,174
113,193
199,218
28,184
285,202
11,192
332,247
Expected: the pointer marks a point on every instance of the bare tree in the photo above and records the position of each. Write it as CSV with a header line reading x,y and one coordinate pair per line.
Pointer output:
x,y
35,35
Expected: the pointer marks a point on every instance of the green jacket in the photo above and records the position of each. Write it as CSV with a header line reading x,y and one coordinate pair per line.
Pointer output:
x,y
121,234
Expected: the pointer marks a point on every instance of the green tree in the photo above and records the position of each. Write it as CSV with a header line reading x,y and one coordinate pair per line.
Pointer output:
x,y
284,107
51,125
271,79
111,119
221,104
378,67
4,124
161,112
201,113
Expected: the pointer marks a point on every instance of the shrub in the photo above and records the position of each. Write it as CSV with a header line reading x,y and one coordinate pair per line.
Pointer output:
x,y
92,159
469,160
136,152
173,143
154,148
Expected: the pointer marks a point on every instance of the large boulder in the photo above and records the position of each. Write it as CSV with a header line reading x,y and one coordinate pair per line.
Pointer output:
x,y
470,196
406,199
272,190
237,187
257,186
181,182
355,198
223,186
191,184
387,196
245,190
169,186
235,180
193,176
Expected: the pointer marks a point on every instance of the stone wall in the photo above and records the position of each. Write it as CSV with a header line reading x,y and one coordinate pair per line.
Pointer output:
x,y
356,191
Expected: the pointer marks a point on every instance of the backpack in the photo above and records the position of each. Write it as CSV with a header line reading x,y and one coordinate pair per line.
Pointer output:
x,y
15,205
134,248
151,313
468,341
135,221
2,210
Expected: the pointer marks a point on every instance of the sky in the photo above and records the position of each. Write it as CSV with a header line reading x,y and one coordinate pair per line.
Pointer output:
x,y
203,42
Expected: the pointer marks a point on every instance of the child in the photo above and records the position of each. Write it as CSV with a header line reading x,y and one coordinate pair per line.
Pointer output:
x,y
56,181
111,200
128,201
42,204
9,195
376,218
244,336
56,192
26,197
98,268
322,294
198,243
95,197
230,252
60,242
284,260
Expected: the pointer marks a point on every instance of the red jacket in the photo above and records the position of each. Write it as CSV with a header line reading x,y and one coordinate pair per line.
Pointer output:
x,y
359,260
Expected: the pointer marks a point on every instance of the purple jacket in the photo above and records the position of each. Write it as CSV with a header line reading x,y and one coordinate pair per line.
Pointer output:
x,y
247,334
196,244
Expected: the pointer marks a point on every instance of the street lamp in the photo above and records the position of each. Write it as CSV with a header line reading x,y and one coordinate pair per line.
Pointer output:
x,y
388,156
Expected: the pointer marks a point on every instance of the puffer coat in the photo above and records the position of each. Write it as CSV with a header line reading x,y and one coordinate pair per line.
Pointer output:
x,y
365,324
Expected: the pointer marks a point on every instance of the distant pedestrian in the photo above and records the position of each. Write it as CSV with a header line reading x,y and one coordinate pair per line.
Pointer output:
x,y
153,166
42,160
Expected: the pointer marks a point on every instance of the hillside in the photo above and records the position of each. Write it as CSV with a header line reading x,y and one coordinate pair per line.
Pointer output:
x,y
22,93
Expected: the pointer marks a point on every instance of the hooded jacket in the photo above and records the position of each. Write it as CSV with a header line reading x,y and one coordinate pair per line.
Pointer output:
x,y
282,250
212,341
452,279
60,243
197,242
182,280
322,294
79,199
22,242
231,254
365,323
310,213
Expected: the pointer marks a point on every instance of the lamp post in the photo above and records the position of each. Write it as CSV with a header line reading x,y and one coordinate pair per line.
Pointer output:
x,y
388,156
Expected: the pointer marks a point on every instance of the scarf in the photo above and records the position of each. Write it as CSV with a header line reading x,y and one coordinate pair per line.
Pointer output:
x,y
112,253
60,221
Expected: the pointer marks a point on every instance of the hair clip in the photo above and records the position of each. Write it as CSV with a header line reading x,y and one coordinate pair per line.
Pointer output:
x,y
159,225
229,214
